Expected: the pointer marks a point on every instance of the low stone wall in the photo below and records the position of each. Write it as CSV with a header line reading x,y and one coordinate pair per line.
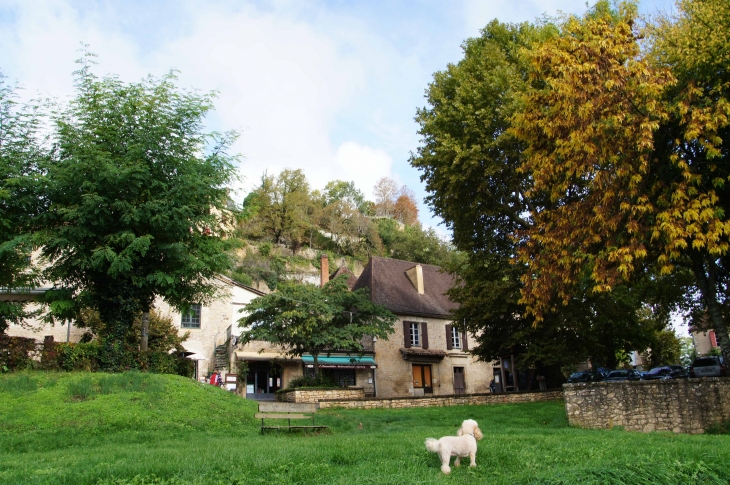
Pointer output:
x,y
317,395
678,405
442,401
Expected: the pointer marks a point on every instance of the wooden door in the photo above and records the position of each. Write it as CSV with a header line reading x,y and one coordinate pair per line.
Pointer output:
x,y
459,381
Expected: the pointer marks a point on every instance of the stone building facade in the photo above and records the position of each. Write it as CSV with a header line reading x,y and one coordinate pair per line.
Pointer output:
x,y
427,354
210,327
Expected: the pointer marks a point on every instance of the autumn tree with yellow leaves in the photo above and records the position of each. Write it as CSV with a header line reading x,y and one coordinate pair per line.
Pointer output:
x,y
628,148
581,164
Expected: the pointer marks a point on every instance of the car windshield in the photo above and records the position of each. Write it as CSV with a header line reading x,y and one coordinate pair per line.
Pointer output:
x,y
618,373
576,375
706,362
659,370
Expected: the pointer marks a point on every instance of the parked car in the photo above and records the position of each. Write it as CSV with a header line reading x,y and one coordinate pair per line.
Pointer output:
x,y
623,375
585,376
711,366
666,372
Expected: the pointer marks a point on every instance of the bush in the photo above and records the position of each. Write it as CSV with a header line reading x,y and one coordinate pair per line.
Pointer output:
x,y
311,381
16,353
80,356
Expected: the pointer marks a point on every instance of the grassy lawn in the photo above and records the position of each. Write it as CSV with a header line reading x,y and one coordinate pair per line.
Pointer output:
x,y
150,429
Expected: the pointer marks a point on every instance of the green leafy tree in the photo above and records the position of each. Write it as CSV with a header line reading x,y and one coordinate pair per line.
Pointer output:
x,y
21,159
472,165
279,208
307,319
137,200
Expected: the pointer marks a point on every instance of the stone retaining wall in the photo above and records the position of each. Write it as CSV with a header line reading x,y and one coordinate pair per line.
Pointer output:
x,y
678,405
441,401
316,395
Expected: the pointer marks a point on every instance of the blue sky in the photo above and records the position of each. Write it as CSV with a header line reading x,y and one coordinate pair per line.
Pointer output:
x,y
328,86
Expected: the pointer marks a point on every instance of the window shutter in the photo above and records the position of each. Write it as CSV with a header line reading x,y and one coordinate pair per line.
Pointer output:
x,y
424,338
464,344
407,334
449,342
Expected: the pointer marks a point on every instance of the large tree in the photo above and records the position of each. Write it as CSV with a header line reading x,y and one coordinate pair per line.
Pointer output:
x,y
307,319
629,148
137,199
21,159
471,163
279,208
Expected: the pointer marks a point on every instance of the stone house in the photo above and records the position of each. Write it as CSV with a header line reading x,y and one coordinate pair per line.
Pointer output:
x,y
212,327
427,354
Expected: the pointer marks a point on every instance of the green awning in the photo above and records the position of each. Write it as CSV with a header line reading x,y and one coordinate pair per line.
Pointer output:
x,y
341,361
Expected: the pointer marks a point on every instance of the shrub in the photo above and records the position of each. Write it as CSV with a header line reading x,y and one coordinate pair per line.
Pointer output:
x,y
311,381
80,356
16,353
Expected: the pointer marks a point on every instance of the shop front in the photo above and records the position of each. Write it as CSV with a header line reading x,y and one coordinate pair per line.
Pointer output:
x,y
345,370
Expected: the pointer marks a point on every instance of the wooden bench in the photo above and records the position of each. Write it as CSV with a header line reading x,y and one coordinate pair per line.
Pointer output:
x,y
288,411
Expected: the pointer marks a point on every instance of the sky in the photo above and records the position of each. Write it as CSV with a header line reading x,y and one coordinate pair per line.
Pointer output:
x,y
330,87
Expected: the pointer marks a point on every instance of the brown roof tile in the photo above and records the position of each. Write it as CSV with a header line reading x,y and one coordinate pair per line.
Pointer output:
x,y
351,278
389,286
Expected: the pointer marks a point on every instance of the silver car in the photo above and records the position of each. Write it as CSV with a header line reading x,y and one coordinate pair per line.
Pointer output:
x,y
711,366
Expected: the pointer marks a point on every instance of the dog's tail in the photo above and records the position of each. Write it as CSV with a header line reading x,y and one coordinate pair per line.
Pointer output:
x,y
432,445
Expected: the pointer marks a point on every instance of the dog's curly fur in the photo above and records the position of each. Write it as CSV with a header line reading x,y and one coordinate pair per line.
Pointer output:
x,y
461,445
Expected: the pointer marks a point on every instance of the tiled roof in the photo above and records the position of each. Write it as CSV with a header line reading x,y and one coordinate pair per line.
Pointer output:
x,y
351,278
389,286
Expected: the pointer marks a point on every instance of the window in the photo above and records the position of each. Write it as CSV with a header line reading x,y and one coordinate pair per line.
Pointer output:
x,y
341,377
192,318
415,335
455,338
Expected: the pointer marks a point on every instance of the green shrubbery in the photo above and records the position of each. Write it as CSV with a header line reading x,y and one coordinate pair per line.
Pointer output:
x,y
319,381
18,353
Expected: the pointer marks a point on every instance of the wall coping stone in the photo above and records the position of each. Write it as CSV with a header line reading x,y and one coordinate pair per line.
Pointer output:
x,y
446,396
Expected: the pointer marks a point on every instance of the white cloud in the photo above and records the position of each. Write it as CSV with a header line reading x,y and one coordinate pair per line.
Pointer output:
x,y
363,165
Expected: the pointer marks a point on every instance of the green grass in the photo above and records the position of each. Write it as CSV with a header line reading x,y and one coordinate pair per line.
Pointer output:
x,y
145,429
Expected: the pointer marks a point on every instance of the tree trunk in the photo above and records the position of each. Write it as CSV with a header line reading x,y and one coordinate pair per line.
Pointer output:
x,y
145,331
706,274
316,365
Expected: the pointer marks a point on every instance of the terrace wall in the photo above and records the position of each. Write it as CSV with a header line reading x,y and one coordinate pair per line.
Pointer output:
x,y
677,405
315,395
442,401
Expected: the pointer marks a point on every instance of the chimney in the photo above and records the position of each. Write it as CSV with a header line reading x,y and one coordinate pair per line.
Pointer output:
x,y
324,270
415,275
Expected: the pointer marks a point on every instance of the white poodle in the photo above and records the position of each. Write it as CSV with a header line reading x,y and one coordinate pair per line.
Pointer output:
x,y
463,444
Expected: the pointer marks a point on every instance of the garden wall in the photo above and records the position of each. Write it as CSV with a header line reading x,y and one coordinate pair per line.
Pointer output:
x,y
442,401
316,395
678,405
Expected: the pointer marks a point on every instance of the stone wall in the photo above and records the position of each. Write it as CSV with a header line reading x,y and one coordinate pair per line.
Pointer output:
x,y
317,395
442,401
678,405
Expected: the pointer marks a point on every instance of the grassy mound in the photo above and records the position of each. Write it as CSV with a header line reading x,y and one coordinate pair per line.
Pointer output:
x,y
145,429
